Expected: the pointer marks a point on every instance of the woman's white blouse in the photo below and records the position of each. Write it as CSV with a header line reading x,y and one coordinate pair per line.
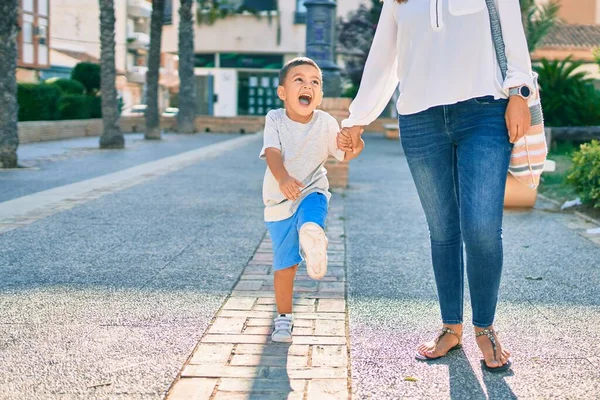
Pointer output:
x,y
439,52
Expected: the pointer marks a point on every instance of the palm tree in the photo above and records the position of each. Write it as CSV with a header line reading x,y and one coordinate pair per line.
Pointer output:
x,y
538,20
187,83
111,138
565,91
9,108
156,25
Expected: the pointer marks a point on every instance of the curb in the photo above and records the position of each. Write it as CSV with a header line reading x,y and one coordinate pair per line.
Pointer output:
x,y
581,215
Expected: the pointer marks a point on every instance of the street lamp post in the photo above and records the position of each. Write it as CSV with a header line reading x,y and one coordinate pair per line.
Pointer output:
x,y
320,42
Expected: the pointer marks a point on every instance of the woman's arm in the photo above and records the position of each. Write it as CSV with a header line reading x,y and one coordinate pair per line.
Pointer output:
x,y
517,52
379,79
518,117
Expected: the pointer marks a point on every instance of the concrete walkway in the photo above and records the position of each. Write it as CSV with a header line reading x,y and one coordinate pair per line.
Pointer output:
x,y
154,281
550,325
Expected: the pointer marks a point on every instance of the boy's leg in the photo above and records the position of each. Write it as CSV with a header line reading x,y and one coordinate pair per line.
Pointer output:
x,y
284,289
286,257
311,215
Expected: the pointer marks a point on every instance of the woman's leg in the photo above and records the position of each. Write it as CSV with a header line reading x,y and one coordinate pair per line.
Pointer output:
x,y
483,157
431,156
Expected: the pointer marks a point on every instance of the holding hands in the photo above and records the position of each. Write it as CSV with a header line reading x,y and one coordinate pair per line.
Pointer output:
x,y
349,140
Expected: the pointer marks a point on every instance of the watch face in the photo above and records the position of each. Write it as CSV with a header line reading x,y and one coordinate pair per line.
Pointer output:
x,y
525,91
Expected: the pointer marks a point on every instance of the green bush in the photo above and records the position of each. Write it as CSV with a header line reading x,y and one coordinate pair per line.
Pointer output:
x,y
89,75
585,173
95,106
37,102
569,98
74,106
67,86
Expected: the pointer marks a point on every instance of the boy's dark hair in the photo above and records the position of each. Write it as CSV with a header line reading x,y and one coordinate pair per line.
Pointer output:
x,y
294,63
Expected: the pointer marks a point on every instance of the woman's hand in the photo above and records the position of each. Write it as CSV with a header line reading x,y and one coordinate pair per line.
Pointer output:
x,y
355,132
518,118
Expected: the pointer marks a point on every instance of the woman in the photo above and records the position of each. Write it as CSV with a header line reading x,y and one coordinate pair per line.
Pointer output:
x,y
458,119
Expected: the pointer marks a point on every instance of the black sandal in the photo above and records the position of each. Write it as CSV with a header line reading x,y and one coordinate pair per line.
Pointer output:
x,y
490,335
444,331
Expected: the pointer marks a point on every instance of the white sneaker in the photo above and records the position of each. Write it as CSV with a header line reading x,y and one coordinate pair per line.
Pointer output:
x,y
314,246
282,329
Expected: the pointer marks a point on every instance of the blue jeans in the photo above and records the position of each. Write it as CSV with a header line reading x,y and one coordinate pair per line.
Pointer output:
x,y
458,155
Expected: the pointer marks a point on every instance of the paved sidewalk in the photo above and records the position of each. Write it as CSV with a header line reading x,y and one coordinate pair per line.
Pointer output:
x,y
236,358
155,281
62,162
550,325
107,300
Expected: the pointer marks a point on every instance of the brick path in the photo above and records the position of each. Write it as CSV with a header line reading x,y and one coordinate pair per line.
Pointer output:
x,y
235,359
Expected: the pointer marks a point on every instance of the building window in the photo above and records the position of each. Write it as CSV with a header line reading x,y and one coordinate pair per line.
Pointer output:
x,y
257,93
42,37
168,15
28,6
259,5
27,32
300,15
205,60
254,61
43,7
33,37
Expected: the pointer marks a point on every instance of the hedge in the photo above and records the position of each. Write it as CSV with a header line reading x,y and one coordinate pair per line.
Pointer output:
x,y
73,106
585,173
67,86
38,102
89,75
95,106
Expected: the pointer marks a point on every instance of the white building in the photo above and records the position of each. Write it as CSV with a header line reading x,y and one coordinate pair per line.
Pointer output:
x,y
75,37
238,58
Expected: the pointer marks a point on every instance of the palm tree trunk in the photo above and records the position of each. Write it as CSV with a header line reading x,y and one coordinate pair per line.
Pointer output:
x,y
111,138
152,116
187,83
9,108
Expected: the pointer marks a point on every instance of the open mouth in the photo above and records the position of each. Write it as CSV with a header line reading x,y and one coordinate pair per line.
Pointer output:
x,y
305,99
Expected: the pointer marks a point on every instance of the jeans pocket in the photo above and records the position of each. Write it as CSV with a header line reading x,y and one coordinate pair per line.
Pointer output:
x,y
487,100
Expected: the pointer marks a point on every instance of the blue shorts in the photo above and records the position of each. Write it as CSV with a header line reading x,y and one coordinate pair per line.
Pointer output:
x,y
284,234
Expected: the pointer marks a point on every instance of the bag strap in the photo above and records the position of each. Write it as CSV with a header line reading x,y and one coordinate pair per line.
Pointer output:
x,y
497,36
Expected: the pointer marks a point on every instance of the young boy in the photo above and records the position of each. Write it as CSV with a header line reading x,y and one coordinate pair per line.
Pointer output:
x,y
297,141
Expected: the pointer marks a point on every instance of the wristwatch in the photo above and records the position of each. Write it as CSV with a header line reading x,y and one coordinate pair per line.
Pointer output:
x,y
524,91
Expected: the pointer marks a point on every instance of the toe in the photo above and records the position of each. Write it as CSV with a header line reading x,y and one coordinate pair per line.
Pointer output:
x,y
492,363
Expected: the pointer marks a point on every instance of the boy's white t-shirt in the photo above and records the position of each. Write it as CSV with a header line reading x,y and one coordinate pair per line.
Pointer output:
x,y
305,149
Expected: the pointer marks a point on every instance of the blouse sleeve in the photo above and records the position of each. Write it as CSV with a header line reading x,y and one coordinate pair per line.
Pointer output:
x,y
379,79
517,53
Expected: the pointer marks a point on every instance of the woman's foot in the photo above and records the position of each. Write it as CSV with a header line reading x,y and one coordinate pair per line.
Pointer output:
x,y
495,358
449,338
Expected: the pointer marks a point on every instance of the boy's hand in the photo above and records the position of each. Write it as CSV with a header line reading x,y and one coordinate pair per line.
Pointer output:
x,y
344,141
290,187
355,132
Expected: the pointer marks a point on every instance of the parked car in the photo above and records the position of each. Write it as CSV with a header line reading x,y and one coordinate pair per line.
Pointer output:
x,y
170,112
138,110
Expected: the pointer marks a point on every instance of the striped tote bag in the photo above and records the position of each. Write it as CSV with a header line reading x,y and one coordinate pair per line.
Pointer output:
x,y
529,153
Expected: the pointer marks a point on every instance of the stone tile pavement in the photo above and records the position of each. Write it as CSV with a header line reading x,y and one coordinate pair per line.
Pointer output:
x,y
236,359
146,285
